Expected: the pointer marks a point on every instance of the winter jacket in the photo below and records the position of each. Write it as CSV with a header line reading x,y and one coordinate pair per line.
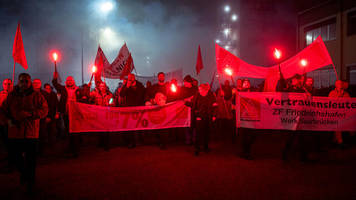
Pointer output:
x,y
13,109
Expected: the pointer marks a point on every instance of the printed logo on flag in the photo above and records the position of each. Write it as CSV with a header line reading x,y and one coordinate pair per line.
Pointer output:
x,y
250,109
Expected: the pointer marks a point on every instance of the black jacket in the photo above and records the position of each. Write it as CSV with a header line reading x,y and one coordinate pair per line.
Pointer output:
x,y
134,95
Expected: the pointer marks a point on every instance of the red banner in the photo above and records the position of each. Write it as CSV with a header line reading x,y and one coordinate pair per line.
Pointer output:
x,y
314,56
91,118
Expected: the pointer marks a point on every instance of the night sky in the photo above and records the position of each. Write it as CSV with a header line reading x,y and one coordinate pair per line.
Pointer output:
x,y
161,35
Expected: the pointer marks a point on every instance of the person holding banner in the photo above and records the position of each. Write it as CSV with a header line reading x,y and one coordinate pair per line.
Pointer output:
x,y
296,86
133,92
188,91
204,108
101,96
157,95
339,92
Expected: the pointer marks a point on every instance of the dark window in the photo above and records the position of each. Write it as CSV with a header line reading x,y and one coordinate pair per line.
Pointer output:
x,y
326,29
351,75
351,23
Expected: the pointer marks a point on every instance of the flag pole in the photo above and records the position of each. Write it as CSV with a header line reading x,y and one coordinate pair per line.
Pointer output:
x,y
13,73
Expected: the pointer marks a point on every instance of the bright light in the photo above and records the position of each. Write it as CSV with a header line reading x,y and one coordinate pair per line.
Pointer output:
x,y
111,100
234,17
226,31
227,47
228,71
217,41
227,8
55,56
94,69
303,63
277,54
173,88
109,39
106,7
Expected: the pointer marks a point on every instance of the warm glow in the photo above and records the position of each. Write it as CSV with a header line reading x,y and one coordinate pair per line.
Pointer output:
x,y
94,69
277,54
303,63
228,71
173,88
55,56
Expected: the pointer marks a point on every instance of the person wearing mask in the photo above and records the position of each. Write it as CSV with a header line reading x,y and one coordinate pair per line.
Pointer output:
x,y
22,111
204,106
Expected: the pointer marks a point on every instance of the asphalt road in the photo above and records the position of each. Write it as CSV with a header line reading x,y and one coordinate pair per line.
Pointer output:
x,y
147,172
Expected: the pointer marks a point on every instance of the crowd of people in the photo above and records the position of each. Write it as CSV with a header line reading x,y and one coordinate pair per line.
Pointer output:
x,y
33,116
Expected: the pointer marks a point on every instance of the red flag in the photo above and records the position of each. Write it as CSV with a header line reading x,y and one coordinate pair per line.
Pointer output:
x,y
127,68
100,62
199,66
225,59
18,51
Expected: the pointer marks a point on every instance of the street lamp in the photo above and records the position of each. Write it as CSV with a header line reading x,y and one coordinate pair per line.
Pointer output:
x,y
226,31
106,7
227,8
234,17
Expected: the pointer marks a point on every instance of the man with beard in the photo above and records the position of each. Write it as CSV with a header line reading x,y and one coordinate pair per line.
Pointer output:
x,y
67,94
159,89
22,111
134,93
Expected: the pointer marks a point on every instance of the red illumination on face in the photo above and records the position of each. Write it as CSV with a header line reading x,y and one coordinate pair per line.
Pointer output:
x,y
277,54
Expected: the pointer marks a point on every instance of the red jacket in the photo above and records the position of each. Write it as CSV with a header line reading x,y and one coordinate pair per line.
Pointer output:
x,y
13,109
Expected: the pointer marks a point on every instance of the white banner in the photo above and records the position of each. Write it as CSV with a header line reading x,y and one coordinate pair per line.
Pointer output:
x,y
295,111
